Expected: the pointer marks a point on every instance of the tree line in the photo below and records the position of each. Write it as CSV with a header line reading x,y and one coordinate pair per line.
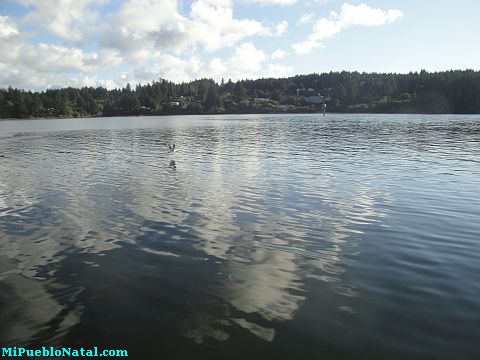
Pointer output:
x,y
417,92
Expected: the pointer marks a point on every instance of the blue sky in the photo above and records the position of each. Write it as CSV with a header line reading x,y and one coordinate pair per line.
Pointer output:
x,y
52,43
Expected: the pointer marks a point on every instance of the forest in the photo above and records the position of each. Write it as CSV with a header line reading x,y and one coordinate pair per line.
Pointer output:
x,y
456,91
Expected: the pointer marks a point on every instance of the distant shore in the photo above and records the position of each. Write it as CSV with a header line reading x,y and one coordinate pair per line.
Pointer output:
x,y
216,114
231,113
447,92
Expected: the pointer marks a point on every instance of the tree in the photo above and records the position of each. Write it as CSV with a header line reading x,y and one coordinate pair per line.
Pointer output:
x,y
21,110
240,92
441,92
212,100
62,108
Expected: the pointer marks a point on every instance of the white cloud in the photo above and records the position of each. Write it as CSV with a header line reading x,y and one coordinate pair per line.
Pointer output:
x,y
305,47
350,15
276,71
367,16
281,28
306,18
278,54
246,58
245,62
60,58
92,82
55,58
29,65
143,29
148,38
215,68
215,27
70,20
223,3
26,78
175,69
7,27
269,2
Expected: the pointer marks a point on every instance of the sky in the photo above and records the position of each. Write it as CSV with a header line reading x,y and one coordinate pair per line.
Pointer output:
x,y
57,43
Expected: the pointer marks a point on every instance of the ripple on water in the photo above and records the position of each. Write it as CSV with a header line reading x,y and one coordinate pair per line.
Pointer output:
x,y
274,236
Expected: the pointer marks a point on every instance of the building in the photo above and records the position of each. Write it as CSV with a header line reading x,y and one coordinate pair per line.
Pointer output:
x,y
315,99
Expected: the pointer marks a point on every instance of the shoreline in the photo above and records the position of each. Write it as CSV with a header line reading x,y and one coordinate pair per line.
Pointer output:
x,y
228,113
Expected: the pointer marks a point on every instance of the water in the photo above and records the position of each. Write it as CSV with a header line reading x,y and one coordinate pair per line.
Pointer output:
x,y
274,237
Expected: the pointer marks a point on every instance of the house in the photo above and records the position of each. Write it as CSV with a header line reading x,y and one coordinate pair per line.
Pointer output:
x,y
261,99
306,92
315,99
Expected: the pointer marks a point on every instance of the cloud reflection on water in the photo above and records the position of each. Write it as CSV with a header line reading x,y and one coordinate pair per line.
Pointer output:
x,y
252,198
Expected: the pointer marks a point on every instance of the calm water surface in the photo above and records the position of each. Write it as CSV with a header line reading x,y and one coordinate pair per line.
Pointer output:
x,y
275,237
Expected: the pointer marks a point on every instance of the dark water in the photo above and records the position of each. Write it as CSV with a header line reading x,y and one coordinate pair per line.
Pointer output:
x,y
275,237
